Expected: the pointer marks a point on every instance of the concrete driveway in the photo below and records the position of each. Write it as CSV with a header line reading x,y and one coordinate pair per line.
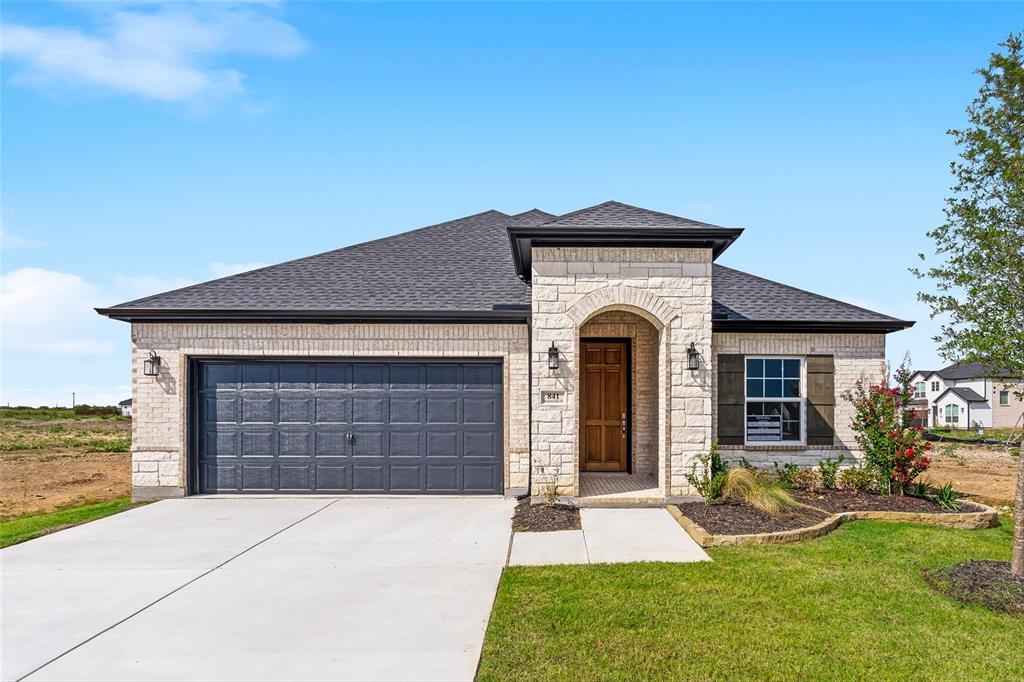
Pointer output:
x,y
258,589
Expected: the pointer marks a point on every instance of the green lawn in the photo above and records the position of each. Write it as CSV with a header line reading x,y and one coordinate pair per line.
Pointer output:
x,y
851,605
28,527
971,435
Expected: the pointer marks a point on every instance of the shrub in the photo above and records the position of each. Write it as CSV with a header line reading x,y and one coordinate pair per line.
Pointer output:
x,y
709,482
895,449
786,473
948,498
828,468
805,479
771,498
860,478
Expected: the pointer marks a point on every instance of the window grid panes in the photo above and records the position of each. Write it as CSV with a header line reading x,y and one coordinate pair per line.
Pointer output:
x,y
774,390
920,392
952,413
935,385
1004,397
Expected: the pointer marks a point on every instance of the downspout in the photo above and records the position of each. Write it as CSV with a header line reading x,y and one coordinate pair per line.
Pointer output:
x,y
529,407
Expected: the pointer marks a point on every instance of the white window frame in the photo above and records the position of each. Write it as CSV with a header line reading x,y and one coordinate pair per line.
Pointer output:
x,y
802,400
919,389
951,416
1004,394
935,386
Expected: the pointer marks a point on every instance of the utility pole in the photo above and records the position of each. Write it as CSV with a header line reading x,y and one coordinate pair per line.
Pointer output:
x,y
72,401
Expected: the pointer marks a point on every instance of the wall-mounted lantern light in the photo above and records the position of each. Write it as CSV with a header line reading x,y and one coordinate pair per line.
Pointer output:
x,y
553,356
151,366
692,357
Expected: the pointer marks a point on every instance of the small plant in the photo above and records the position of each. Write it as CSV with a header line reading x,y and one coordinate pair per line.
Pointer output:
x,y
828,469
786,473
921,488
771,498
805,479
859,479
551,494
948,498
709,482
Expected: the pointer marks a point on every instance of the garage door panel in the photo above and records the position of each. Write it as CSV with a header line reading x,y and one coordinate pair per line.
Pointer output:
x,y
350,426
295,477
369,410
334,376
258,408
442,444
259,443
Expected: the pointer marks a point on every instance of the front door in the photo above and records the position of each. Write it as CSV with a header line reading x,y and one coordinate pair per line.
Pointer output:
x,y
604,405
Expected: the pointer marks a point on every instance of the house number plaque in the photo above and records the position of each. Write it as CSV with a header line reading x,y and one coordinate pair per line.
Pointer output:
x,y
552,397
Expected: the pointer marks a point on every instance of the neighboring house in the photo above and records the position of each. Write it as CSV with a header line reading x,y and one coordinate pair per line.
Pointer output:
x,y
126,407
963,396
493,353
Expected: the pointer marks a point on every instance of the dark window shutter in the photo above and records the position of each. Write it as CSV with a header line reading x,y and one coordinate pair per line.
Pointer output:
x,y
730,399
821,400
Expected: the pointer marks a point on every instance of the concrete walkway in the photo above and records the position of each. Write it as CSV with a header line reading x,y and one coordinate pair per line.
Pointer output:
x,y
258,589
609,536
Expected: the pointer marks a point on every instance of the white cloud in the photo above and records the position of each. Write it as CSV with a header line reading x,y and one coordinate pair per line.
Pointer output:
x,y
165,54
10,240
219,269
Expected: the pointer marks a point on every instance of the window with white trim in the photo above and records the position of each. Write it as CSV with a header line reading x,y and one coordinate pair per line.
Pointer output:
x,y
1004,397
774,400
935,386
919,391
952,414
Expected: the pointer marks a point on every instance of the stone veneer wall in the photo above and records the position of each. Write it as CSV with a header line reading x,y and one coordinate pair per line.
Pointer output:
x,y
644,377
159,427
671,287
856,356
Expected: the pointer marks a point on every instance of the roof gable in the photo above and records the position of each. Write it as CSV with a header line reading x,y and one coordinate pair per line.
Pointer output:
x,y
614,214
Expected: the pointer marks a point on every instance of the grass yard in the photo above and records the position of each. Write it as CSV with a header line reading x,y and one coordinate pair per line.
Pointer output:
x,y
971,435
28,527
851,605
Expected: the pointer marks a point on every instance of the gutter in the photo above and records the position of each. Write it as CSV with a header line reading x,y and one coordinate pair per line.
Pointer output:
x,y
503,314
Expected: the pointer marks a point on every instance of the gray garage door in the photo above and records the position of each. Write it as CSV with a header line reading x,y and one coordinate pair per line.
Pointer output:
x,y
349,427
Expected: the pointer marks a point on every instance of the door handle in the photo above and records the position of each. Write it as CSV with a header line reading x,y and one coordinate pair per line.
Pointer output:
x,y
350,436
623,424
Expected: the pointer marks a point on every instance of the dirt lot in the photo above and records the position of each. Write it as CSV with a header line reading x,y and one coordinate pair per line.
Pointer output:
x,y
53,463
985,473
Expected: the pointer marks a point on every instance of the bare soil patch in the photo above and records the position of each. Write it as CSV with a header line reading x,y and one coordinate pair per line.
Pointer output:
x,y
988,583
539,518
850,500
48,465
728,517
987,474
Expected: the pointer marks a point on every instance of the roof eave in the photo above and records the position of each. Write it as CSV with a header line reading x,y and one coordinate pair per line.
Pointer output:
x,y
812,326
523,239
501,315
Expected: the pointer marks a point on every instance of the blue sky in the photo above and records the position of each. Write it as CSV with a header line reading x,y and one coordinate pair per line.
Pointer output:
x,y
148,146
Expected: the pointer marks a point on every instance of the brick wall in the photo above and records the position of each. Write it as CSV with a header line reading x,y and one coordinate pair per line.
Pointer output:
x,y
671,288
159,426
856,356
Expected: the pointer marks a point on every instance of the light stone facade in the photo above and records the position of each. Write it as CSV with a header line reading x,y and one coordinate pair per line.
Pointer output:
x,y
671,289
159,427
857,356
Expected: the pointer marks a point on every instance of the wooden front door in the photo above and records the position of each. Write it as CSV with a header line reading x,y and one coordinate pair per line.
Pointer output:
x,y
604,405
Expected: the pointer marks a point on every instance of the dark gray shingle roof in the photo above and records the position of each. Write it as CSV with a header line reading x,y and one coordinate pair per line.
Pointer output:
x,y
616,214
968,394
463,267
738,295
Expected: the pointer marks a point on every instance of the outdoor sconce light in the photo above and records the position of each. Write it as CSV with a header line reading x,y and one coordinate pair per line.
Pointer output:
x,y
151,366
692,357
553,356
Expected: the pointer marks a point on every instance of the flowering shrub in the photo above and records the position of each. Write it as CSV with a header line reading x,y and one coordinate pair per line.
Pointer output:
x,y
892,447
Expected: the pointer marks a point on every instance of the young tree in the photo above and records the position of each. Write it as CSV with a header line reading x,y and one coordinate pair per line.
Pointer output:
x,y
979,279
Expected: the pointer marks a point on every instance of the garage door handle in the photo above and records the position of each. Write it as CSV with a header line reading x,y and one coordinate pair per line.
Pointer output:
x,y
350,436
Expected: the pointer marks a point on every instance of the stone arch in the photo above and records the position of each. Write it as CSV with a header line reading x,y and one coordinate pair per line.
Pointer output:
x,y
640,301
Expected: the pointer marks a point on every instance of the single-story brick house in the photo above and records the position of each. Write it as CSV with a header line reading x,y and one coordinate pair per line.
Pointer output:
x,y
599,351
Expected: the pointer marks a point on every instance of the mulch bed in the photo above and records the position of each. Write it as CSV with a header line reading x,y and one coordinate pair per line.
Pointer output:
x,y
538,518
737,518
988,583
851,500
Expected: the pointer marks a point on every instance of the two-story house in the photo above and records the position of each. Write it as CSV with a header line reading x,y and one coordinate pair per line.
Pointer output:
x,y
964,396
